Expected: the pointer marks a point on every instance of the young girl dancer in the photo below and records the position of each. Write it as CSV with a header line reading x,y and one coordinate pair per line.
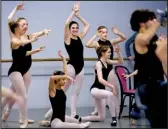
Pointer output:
x,y
19,73
74,47
58,101
102,34
98,88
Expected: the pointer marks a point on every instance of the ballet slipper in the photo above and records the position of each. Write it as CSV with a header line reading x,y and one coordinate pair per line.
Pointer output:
x,y
44,123
85,125
28,121
24,124
5,116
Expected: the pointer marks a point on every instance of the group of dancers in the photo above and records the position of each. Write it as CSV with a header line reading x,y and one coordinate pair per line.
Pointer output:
x,y
150,67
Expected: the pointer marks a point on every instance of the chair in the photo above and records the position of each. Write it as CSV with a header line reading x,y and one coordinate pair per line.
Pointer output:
x,y
126,91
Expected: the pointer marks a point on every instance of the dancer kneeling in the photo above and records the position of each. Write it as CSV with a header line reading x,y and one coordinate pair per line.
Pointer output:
x,y
58,101
98,88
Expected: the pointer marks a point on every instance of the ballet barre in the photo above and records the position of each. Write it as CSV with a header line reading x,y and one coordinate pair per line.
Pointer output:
x,y
47,75
53,59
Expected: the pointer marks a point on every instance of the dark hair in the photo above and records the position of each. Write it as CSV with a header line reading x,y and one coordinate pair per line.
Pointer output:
x,y
140,16
57,72
101,27
14,24
71,23
101,49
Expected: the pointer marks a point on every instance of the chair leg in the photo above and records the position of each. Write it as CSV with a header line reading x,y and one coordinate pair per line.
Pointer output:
x,y
121,106
121,99
129,105
133,97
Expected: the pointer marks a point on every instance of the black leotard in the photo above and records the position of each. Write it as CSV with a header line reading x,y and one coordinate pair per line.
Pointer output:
x,y
28,47
21,63
105,72
58,103
107,42
148,64
75,51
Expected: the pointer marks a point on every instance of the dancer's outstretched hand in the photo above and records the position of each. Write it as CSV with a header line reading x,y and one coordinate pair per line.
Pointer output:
x,y
41,48
46,31
20,6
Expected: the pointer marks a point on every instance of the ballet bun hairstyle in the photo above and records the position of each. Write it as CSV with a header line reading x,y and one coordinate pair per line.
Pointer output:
x,y
14,24
101,50
71,23
57,72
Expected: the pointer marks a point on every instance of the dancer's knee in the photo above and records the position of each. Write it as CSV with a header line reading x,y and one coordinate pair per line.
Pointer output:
x,y
95,92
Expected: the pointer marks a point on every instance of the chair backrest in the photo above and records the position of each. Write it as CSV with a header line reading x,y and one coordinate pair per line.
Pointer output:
x,y
119,70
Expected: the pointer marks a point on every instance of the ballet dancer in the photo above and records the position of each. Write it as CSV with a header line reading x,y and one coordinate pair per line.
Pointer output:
x,y
58,101
102,32
74,47
19,73
148,62
7,93
98,91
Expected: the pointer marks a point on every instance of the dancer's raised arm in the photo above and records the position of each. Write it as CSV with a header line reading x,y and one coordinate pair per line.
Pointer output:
x,y
119,39
85,23
12,14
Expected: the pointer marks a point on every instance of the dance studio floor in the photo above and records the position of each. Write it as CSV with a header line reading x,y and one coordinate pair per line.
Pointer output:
x,y
38,114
